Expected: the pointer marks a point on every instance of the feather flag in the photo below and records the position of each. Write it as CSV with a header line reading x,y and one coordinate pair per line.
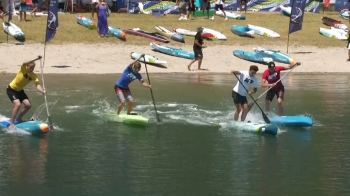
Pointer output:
x,y
296,16
52,20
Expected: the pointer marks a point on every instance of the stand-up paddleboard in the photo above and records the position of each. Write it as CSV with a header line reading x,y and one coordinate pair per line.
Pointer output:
x,y
134,119
86,22
242,30
150,35
251,56
174,36
216,34
116,32
334,23
149,59
333,34
230,15
33,127
263,128
344,13
275,55
293,121
285,10
191,33
173,51
263,31
14,31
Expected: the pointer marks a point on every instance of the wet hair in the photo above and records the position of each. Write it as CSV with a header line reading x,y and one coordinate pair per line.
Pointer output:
x,y
271,65
254,67
137,66
31,64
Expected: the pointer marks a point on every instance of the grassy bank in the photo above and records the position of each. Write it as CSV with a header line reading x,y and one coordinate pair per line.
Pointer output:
x,y
70,32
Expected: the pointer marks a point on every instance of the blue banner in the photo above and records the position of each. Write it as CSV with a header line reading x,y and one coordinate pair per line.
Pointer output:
x,y
296,16
341,4
52,20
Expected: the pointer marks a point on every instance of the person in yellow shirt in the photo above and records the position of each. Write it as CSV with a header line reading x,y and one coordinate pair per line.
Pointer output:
x,y
15,89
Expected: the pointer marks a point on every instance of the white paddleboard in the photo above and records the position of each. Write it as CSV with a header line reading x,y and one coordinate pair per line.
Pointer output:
x,y
263,31
185,32
215,33
228,14
13,30
149,58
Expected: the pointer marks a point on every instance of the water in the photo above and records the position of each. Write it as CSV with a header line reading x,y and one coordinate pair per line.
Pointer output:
x,y
185,155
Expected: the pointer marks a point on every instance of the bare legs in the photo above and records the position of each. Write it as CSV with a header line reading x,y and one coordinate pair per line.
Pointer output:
x,y
279,105
17,105
239,108
130,106
194,60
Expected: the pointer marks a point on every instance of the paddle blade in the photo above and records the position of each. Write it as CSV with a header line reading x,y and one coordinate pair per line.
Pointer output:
x,y
266,119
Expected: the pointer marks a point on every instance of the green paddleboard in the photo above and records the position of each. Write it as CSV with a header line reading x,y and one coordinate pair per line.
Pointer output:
x,y
134,119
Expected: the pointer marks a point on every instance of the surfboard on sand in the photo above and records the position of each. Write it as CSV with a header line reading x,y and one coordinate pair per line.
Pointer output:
x,y
132,119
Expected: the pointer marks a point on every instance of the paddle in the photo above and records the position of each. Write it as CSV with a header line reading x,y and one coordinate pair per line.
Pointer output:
x,y
149,82
252,104
47,108
266,119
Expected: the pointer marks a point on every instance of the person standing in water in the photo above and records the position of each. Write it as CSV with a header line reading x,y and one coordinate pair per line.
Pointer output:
x,y
270,78
197,49
121,87
16,93
239,93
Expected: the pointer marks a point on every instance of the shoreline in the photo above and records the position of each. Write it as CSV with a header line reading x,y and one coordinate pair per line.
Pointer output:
x,y
113,58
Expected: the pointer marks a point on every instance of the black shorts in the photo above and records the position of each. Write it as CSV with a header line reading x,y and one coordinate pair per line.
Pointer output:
x,y
13,95
279,92
217,7
238,99
205,5
192,7
198,53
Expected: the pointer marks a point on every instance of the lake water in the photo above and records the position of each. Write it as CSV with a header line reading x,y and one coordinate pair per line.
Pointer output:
x,y
184,155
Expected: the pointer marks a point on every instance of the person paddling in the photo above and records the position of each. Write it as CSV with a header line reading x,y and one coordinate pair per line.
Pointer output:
x,y
270,78
239,92
121,87
16,93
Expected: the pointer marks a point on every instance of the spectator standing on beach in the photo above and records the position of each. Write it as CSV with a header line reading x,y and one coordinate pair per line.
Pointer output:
x,y
197,49
102,25
205,6
35,4
219,4
191,8
22,10
182,4
93,8
243,2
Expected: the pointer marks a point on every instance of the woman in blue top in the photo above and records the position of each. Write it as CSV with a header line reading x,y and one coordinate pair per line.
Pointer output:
x,y
121,87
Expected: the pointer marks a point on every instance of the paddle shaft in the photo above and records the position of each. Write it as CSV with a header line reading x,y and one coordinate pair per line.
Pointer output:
x,y
149,82
46,105
252,104
266,119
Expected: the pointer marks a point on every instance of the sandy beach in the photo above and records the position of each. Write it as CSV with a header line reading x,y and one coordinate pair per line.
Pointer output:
x,y
108,58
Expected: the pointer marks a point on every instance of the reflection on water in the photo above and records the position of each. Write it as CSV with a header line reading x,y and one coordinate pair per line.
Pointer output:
x,y
186,155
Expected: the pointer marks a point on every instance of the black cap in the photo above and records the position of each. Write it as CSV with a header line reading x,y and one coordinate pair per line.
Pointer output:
x,y
200,29
271,65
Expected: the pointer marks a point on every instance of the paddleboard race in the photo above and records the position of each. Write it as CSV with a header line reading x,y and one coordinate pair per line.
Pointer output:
x,y
132,98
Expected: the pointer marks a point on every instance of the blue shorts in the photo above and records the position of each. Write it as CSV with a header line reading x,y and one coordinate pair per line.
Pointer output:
x,y
23,7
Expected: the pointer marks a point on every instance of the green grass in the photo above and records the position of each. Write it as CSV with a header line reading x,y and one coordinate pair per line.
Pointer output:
x,y
70,32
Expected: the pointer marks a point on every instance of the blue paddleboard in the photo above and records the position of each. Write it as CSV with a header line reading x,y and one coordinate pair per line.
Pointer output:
x,y
33,127
292,121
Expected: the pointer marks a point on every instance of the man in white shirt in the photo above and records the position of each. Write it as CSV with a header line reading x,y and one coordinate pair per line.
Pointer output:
x,y
219,5
239,92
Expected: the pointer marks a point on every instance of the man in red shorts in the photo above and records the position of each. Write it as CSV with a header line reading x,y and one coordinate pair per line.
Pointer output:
x,y
270,78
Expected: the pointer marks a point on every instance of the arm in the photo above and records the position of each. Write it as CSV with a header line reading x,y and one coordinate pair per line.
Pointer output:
x,y
291,66
235,72
28,62
145,84
254,91
40,89
197,43
265,84
142,55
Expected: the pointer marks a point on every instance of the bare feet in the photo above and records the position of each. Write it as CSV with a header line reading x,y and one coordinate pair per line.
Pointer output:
x,y
189,68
